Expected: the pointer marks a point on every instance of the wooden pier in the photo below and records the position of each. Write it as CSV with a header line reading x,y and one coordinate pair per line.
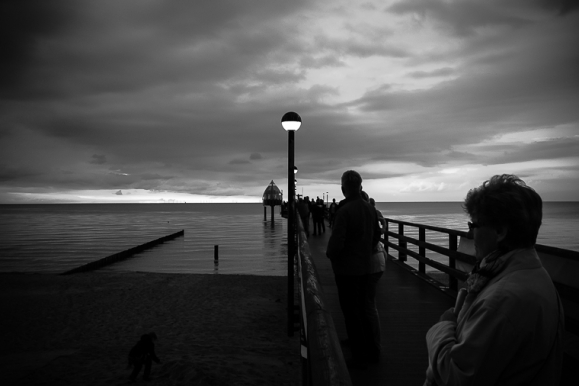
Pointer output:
x,y
408,307
410,301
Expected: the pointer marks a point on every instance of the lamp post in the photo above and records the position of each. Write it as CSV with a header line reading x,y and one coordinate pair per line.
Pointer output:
x,y
291,122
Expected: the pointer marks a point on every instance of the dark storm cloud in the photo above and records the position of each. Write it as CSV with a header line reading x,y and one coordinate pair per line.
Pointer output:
x,y
98,159
462,17
255,156
541,150
92,48
563,7
23,25
493,89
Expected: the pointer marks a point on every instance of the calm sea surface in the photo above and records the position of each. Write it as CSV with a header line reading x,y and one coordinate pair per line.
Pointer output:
x,y
55,238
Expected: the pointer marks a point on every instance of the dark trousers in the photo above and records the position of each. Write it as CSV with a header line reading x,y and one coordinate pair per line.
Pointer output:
x,y
319,226
147,361
357,296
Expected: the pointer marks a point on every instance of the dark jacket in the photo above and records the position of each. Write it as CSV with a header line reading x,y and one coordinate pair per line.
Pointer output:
x,y
303,209
354,235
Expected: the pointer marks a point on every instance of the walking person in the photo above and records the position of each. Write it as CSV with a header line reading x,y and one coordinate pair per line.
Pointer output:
x,y
332,212
510,328
354,236
318,218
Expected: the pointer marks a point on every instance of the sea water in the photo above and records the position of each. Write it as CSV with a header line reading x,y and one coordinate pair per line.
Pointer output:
x,y
558,229
58,237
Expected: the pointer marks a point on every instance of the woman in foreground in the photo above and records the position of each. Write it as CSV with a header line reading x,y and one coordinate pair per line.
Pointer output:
x,y
510,328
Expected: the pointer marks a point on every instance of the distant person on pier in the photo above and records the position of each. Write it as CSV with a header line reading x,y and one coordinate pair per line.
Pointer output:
x,y
143,353
332,212
510,328
304,211
318,218
354,236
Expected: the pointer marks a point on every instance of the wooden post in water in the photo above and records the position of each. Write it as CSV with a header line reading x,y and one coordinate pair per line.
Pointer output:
x,y
421,249
272,207
453,246
216,255
264,213
401,243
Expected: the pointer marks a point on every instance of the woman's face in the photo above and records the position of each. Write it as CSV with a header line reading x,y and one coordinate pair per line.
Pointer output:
x,y
486,238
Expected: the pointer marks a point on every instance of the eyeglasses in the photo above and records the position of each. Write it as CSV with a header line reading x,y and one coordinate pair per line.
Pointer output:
x,y
472,225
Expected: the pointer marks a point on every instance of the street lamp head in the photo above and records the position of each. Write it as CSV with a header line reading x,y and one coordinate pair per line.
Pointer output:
x,y
295,169
291,121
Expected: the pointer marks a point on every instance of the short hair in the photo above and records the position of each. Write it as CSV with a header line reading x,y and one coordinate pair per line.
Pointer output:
x,y
352,180
506,201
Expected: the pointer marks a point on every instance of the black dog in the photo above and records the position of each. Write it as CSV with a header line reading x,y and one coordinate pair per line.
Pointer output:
x,y
143,353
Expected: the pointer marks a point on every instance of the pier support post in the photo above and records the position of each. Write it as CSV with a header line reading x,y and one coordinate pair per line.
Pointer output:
x,y
216,255
264,213
422,250
401,243
453,246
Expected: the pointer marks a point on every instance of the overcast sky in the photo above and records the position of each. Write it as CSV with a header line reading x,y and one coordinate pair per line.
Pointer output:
x,y
157,100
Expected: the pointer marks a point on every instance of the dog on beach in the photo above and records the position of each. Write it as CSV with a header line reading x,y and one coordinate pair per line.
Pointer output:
x,y
143,353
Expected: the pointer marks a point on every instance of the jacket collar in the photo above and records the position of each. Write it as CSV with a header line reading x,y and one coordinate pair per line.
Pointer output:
x,y
520,259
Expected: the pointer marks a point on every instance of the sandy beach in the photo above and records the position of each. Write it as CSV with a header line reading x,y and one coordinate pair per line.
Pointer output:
x,y
212,329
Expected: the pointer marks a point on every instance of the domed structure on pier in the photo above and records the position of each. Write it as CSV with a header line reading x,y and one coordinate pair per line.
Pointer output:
x,y
272,195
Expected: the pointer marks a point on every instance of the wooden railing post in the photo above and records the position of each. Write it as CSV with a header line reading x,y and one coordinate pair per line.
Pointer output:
x,y
401,243
386,239
421,249
453,246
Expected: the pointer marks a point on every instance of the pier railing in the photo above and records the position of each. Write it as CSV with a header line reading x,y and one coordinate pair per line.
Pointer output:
x,y
562,265
322,358
452,252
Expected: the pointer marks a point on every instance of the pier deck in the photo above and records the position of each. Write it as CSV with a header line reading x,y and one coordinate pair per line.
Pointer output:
x,y
408,307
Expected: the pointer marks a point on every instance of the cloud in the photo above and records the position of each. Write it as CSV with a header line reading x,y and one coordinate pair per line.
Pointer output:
x,y
98,159
255,156
239,162
462,17
446,71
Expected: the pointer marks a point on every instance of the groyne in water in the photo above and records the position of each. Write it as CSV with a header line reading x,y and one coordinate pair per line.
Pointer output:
x,y
122,255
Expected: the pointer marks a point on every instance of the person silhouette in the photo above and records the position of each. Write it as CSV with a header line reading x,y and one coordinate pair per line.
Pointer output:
x,y
143,353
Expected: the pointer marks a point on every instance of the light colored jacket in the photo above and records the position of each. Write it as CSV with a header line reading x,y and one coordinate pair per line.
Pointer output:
x,y
511,333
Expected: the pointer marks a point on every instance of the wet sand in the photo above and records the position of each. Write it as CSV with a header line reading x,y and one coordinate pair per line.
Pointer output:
x,y
212,329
